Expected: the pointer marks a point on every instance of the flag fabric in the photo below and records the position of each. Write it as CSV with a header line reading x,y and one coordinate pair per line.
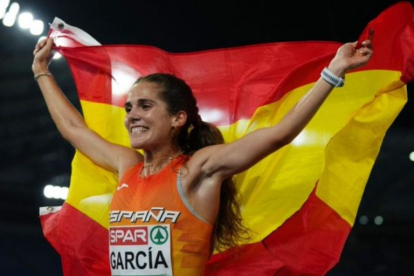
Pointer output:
x,y
301,201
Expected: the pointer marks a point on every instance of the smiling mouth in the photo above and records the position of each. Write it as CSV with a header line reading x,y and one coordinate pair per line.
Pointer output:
x,y
138,129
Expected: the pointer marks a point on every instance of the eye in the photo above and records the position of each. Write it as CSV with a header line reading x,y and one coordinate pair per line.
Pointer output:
x,y
145,106
128,109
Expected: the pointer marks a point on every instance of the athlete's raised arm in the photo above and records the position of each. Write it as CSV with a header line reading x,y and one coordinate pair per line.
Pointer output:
x,y
225,160
70,122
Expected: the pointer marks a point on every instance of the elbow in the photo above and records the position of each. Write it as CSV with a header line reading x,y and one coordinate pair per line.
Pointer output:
x,y
284,135
70,130
289,139
284,140
67,134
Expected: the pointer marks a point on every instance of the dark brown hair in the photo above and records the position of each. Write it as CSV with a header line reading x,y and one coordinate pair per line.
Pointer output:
x,y
197,134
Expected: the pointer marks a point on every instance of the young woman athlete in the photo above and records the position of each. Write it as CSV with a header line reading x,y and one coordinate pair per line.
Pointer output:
x,y
177,202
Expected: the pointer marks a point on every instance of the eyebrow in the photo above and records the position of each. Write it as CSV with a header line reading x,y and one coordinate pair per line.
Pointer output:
x,y
140,101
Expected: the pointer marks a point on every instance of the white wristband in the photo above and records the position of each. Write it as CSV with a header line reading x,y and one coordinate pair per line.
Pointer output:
x,y
330,78
36,77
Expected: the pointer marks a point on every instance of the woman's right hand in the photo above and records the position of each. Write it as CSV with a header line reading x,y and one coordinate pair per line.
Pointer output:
x,y
43,54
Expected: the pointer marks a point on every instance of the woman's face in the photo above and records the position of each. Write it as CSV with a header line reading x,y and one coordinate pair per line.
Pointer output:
x,y
147,120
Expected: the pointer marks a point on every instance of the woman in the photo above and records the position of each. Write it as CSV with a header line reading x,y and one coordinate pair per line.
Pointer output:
x,y
176,203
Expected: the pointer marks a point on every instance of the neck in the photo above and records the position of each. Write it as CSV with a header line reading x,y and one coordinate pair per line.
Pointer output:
x,y
159,156
156,161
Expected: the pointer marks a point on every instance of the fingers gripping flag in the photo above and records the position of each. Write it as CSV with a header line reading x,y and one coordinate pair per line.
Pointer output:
x,y
300,202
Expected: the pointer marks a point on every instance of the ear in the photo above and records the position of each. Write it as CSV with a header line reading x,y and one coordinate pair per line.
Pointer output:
x,y
180,119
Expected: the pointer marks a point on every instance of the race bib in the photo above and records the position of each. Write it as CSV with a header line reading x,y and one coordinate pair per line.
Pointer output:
x,y
140,250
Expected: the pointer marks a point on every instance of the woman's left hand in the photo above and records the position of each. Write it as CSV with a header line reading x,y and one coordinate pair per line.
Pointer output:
x,y
350,57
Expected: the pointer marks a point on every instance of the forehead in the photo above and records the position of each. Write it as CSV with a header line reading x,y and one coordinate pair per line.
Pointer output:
x,y
144,90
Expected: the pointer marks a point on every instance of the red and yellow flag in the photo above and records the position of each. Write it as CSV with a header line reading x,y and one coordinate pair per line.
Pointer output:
x,y
301,201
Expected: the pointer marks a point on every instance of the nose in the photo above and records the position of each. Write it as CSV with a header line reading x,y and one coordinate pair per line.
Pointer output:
x,y
132,115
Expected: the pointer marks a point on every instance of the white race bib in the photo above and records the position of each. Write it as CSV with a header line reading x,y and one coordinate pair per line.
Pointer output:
x,y
140,250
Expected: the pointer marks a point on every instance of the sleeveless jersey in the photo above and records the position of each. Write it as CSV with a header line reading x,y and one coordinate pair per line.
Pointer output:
x,y
153,228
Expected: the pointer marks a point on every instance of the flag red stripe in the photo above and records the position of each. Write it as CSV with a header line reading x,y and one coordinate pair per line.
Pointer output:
x,y
223,79
308,243
316,229
81,242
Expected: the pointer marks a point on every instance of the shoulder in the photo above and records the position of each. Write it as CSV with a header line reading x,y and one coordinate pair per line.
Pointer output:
x,y
130,173
204,155
203,163
128,161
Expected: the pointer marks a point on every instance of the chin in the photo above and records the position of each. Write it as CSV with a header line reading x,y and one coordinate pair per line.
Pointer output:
x,y
136,144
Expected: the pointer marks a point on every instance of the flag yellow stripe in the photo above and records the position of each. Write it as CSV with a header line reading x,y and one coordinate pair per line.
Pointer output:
x,y
352,152
91,187
276,187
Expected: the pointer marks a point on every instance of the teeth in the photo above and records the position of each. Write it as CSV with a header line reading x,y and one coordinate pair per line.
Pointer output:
x,y
139,129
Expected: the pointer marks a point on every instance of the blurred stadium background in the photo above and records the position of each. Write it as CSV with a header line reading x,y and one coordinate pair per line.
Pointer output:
x,y
33,155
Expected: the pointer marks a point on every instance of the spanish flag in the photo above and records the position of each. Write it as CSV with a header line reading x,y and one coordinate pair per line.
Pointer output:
x,y
301,201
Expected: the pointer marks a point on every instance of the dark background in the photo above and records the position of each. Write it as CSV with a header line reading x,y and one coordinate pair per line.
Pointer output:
x,y
33,153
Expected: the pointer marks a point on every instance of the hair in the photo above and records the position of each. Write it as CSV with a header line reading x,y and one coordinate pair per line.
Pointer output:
x,y
194,135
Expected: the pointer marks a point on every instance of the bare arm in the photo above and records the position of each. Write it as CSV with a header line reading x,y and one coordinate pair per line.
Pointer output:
x,y
222,161
70,122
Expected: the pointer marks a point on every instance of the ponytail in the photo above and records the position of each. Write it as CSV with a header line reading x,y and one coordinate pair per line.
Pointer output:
x,y
229,229
203,134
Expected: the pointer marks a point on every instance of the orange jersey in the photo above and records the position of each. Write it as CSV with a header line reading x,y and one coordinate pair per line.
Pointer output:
x,y
153,229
